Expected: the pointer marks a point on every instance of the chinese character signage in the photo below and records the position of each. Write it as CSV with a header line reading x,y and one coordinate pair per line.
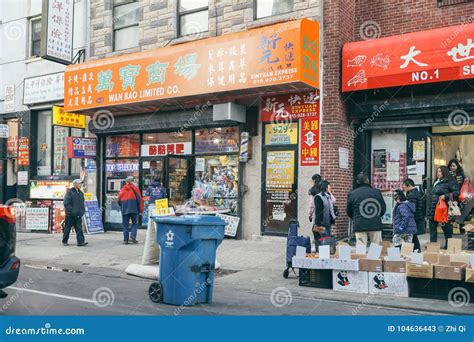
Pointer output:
x,y
309,144
9,98
49,189
57,30
438,55
78,147
290,107
281,134
286,53
47,88
164,149
24,151
280,169
62,118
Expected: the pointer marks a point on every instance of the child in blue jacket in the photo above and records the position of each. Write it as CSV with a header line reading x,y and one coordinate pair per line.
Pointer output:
x,y
404,224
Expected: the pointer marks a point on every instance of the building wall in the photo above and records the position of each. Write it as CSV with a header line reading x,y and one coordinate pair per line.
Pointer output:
x,y
382,18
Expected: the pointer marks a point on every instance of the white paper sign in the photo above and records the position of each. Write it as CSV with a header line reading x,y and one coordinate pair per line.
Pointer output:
x,y
361,249
393,254
374,251
45,88
231,224
394,155
37,218
200,164
343,158
9,98
324,252
300,252
344,252
417,258
4,131
146,164
22,178
393,171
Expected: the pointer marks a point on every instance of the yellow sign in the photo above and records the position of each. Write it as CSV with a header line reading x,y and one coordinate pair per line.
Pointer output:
x,y
280,169
88,196
162,207
62,118
281,134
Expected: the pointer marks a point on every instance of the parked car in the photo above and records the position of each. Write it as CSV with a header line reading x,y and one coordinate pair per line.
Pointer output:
x,y
9,263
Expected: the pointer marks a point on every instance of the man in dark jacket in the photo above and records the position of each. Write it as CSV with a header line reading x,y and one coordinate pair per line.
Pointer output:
x,y
413,196
156,191
75,209
366,206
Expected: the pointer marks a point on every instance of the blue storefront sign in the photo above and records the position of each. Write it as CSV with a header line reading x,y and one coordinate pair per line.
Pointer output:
x,y
78,147
93,217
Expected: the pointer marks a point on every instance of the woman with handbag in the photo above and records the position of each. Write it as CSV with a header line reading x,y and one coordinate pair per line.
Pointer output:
x,y
444,187
456,170
325,215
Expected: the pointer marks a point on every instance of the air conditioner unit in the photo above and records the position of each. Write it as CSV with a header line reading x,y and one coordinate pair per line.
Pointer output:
x,y
228,111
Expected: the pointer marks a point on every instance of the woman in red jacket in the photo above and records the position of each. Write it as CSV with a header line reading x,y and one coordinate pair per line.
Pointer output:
x,y
131,203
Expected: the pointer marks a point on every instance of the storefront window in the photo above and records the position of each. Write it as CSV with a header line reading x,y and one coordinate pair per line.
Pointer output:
x,y
121,146
164,138
61,161
76,162
217,140
12,141
216,182
44,143
116,171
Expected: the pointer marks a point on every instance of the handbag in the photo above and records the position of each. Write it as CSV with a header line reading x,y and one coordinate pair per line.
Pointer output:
x,y
466,190
453,208
441,212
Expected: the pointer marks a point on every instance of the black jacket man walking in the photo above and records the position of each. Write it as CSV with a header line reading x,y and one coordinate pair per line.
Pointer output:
x,y
75,209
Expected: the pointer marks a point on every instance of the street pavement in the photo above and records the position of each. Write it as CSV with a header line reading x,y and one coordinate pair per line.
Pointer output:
x,y
57,280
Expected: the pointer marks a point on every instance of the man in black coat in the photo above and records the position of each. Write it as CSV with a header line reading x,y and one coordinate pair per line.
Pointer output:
x,y
414,196
366,206
75,209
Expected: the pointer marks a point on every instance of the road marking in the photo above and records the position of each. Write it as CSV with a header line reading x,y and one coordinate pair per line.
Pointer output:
x,y
52,294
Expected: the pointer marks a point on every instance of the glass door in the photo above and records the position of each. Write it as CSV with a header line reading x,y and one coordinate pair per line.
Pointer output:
x,y
178,178
152,169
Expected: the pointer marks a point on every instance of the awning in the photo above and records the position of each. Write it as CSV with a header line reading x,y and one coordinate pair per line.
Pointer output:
x,y
439,55
282,57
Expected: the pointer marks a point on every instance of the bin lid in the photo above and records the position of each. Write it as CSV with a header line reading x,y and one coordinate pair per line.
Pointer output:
x,y
195,220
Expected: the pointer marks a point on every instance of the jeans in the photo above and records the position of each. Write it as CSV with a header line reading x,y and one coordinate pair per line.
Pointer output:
x,y
447,230
76,222
127,230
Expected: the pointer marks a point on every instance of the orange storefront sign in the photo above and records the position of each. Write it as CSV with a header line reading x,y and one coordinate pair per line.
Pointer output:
x,y
286,53
438,55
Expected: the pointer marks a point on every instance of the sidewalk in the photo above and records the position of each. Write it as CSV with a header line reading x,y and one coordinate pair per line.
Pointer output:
x,y
259,264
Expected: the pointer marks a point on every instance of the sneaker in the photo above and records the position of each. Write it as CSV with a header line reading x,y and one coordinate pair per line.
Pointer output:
x,y
83,244
132,240
125,242
65,244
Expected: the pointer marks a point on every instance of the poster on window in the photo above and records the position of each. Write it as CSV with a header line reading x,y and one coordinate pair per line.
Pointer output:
x,y
24,151
389,203
280,169
380,159
280,206
37,218
281,134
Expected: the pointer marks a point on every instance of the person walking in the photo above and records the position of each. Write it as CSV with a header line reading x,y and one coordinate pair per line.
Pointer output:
x,y
156,191
457,172
131,204
313,191
444,187
413,195
366,206
404,224
75,209
325,215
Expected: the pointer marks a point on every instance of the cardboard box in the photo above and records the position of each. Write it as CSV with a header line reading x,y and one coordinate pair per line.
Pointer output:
x,y
394,266
370,265
407,249
433,247
350,281
450,270
312,263
388,283
469,275
454,246
431,258
385,245
424,270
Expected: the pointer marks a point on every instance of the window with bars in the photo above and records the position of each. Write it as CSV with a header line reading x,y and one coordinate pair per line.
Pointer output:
x,y
125,20
35,37
193,17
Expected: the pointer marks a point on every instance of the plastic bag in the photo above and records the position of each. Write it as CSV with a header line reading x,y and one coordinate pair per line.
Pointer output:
x,y
441,212
466,190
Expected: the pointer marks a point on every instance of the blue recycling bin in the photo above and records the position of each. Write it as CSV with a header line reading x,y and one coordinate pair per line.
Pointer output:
x,y
188,246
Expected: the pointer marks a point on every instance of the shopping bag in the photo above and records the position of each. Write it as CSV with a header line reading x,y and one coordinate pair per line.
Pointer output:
x,y
453,208
441,212
466,191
